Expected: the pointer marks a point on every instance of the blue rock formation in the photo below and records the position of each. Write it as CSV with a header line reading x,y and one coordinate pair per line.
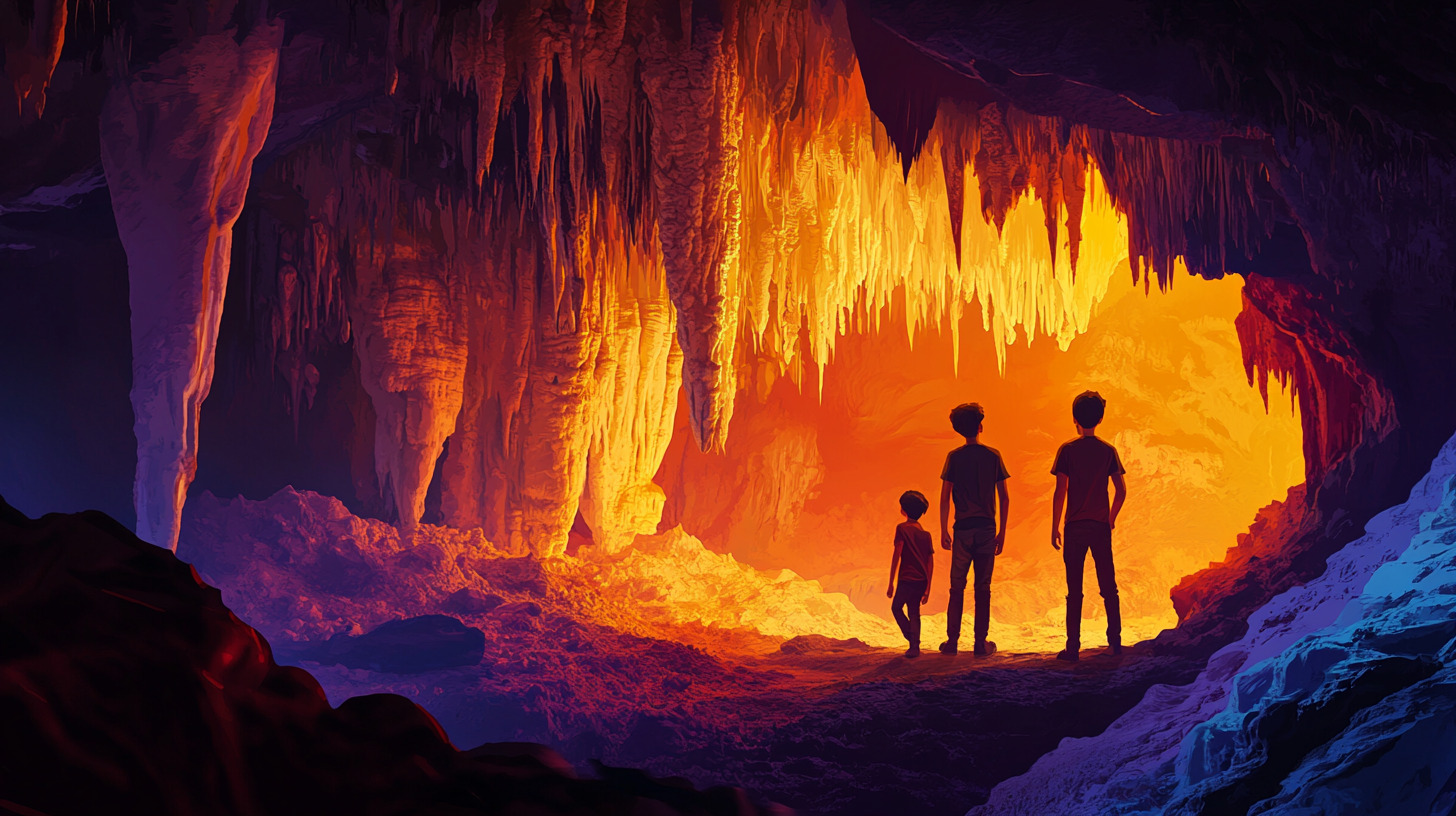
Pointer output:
x,y
1340,699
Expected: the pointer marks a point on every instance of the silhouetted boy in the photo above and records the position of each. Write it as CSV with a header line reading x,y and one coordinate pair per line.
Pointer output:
x,y
1082,468
972,474
916,561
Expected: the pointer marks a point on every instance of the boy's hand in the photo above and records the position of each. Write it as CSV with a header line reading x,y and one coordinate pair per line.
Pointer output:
x,y
925,599
1056,539
1000,542
945,540
890,593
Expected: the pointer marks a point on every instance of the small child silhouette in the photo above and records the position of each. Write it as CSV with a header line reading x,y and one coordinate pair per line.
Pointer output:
x,y
915,559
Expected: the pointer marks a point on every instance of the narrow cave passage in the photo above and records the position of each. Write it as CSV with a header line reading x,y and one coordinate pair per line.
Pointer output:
x,y
809,482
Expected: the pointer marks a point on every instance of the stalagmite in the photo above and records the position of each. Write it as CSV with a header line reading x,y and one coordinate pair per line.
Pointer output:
x,y
638,373
178,142
408,315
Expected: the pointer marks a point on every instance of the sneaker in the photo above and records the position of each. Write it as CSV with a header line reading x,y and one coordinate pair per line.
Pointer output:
x,y
985,647
1069,655
948,648
912,652
1115,648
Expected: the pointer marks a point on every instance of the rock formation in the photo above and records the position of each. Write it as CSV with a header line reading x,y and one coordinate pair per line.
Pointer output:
x,y
179,141
1340,662
130,688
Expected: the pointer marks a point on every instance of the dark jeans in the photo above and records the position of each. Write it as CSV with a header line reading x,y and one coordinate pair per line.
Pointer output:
x,y
976,548
1080,538
907,598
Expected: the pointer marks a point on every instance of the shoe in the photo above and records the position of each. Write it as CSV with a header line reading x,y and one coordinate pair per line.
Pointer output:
x,y
912,652
1115,648
1069,655
948,648
985,647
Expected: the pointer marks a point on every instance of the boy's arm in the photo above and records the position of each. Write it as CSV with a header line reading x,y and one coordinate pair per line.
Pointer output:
x,y
1059,499
894,562
945,539
1005,496
1119,495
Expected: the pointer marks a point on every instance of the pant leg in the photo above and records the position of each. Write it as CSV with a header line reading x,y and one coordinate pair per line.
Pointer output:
x,y
897,608
907,609
960,567
1074,557
984,560
1101,549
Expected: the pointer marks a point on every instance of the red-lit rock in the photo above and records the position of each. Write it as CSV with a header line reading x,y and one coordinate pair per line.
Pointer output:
x,y
127,687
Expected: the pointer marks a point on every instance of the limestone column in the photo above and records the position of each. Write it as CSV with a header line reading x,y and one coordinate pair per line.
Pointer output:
x,y
178,141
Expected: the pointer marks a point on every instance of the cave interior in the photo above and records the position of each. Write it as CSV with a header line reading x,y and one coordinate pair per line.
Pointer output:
x,y
556,365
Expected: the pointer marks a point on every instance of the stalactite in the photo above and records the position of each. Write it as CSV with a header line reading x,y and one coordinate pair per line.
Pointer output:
x,y
31,52
178,144
727,159
692,83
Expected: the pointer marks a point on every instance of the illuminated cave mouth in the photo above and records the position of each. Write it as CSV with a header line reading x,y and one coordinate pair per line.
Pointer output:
x,y
809,482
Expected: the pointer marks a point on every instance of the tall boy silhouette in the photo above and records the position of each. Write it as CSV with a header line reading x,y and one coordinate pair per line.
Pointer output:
x,y
972,474
1083,468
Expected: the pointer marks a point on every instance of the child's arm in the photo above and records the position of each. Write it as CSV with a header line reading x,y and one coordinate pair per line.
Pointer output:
x,y
929,573
894,562
1059,499
1119,495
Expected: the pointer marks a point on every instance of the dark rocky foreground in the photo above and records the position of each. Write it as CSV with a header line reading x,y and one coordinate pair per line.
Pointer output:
x,y
126,687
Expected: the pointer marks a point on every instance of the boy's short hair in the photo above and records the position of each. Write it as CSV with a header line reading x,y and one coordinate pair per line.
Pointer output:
x,y
1088,408
966,418
914,503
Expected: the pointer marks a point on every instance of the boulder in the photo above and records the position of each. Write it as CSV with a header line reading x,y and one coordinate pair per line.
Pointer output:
x,y
409,646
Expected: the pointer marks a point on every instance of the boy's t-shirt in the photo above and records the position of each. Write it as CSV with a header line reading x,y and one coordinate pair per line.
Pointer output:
x,y
915,551
973,471
1088,463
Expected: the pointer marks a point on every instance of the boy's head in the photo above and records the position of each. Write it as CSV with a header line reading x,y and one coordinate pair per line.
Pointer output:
x,y
1088,408
914,504
967,418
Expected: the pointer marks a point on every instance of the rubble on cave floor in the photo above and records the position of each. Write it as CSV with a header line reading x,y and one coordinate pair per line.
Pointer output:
x,y
591,658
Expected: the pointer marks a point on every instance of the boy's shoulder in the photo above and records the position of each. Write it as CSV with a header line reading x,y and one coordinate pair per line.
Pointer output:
x,y
911,531
1086,441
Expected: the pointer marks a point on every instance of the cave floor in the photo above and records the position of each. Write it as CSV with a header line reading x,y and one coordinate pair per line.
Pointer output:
x,y
585,666
871,732
822,726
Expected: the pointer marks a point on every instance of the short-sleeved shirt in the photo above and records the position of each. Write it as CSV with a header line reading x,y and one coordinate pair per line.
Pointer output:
x,y
1088,463
915,551
973,471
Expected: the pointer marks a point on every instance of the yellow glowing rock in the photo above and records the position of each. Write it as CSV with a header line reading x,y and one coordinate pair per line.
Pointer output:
x,y
674,577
